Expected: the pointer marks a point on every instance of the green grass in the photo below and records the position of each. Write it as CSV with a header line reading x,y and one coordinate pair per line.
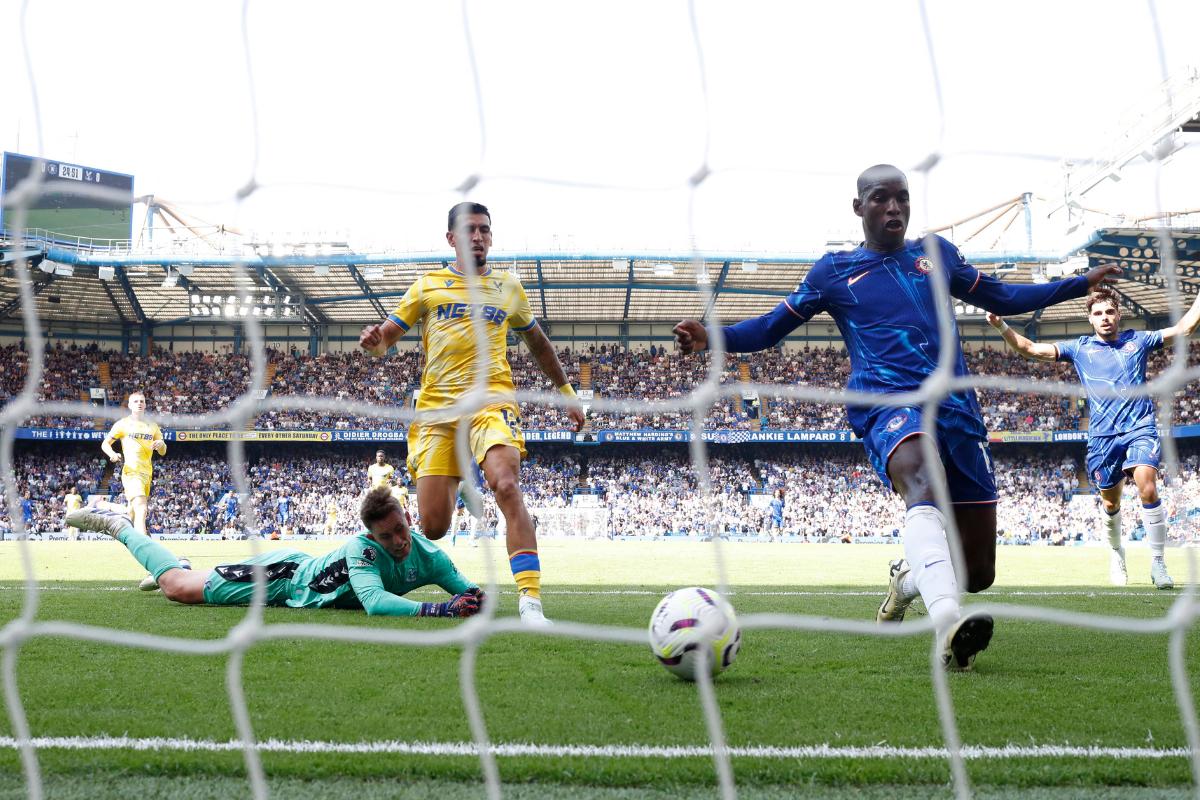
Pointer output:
x,y
1038,683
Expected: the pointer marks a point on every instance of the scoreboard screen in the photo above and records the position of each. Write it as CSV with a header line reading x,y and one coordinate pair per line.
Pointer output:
x,y
62,212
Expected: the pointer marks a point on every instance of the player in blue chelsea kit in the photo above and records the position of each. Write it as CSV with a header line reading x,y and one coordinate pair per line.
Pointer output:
x,y
1123,436
881,296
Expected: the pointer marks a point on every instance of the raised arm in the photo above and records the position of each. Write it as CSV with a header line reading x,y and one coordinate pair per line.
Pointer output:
x,y
547,360
1187,323
1035,351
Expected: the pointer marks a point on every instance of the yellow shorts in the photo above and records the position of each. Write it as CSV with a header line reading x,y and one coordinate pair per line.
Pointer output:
x,y
431,447
135,484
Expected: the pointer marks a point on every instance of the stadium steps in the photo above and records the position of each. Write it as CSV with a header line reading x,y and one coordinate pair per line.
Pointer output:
x,y
269,374
104,375
585,375
106,477
744,372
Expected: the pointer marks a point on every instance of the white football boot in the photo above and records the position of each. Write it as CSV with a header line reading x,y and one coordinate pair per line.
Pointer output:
x,y
99,520
1116,567
894,604
1159,576
530,609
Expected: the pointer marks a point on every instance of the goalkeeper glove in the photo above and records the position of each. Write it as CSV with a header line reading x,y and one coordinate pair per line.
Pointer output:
x,y
466,604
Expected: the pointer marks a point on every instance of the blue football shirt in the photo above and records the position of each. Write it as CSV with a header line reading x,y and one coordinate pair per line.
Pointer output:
x,y
885,308
1107,366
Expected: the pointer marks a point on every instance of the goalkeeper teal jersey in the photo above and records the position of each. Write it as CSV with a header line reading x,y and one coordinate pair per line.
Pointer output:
x,y
358,574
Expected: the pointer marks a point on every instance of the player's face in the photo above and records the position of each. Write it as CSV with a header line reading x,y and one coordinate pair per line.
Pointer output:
x,y
137,403
379,458
471,239
1105,319
884,210
392,534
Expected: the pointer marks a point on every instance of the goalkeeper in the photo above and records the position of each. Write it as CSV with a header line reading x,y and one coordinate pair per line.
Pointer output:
x,y
369,571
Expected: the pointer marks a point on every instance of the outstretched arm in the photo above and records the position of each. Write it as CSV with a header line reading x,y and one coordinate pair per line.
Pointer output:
x,y
747,336
1035,351
1187,323
547,360
1005,299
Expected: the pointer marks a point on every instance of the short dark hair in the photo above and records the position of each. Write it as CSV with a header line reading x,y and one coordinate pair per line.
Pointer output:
x,y
873,175
129,396
1103,294
466,208
377,505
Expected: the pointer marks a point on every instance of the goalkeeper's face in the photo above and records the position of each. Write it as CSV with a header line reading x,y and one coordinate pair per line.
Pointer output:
x,y
392,534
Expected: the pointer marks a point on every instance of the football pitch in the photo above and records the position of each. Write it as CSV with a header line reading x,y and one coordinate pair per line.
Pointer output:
x,y
1050,711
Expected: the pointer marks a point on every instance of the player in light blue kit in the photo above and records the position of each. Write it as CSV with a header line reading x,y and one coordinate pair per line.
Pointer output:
x,y
1123,436
369,571
881,296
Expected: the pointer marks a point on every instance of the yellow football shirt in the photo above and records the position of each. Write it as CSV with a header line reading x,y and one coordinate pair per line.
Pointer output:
x,y
380,474
441,300
137,443
73,502
401,495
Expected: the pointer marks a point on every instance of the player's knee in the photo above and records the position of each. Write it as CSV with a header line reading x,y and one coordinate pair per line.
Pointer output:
x,y
434,528
506,489
1110,506
175,588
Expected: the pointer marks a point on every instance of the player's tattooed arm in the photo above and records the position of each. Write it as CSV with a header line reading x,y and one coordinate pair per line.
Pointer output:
x,y
543,353
1035,351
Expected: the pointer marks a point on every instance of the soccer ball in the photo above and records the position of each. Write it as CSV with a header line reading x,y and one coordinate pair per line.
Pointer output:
x,y
688,620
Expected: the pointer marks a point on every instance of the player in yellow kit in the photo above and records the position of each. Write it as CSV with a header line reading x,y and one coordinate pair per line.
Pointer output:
x,y
331,515
140,440
442,301
72,501
380,473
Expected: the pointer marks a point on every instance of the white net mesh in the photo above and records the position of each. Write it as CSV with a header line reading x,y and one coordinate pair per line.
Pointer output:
x,y
936,113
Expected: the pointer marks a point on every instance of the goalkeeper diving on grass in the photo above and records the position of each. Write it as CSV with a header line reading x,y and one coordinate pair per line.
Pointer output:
x,y
371,571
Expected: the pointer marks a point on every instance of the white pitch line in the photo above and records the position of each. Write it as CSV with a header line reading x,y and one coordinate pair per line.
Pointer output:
x,y
824,751
652,593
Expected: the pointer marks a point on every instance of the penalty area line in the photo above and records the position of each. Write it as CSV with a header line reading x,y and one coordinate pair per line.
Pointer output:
x,y
822,751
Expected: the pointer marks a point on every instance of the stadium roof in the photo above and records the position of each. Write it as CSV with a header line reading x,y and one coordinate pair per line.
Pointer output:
x,y
613,288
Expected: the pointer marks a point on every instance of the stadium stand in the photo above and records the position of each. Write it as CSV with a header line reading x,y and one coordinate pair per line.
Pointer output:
x,y
194,382
642,491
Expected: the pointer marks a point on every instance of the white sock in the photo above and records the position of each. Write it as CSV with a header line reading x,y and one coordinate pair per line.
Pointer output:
x,y
908,586
1154,518
928,555
1111,524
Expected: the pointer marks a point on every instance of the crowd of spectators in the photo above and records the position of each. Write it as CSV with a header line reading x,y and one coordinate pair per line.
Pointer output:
x,y
829,492
200,382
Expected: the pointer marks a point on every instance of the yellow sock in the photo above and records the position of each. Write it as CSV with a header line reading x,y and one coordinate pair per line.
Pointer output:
x,y
527,572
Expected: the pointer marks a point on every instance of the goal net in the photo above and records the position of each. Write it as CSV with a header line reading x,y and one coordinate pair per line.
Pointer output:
x,y
815,124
